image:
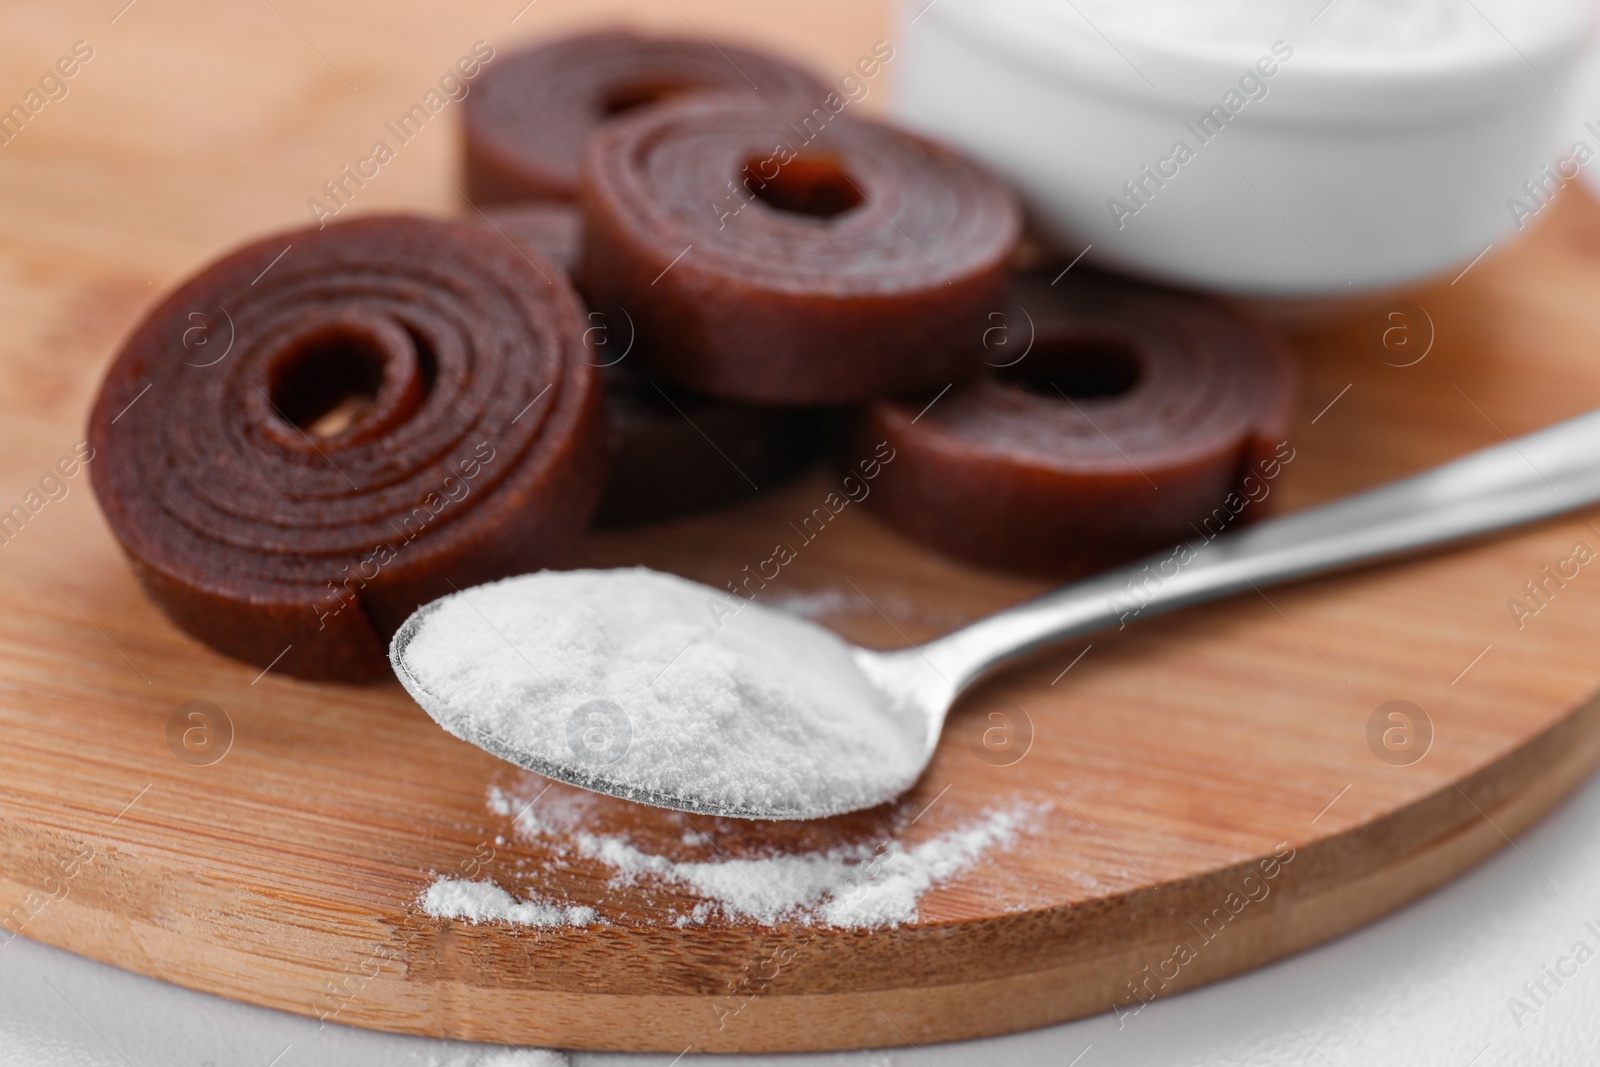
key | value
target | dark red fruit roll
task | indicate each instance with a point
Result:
(778, 253)
(528, 115)
(1117, 419)
(673, 452)
(554, 231)
(327, 428)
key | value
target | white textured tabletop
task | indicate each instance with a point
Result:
(1501, 968)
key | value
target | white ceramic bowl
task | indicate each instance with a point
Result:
(1339, 172)
(1585, 123)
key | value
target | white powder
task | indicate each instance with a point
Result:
(814, 605)
(647, 686)
(523, 821)
(837, 603)
(457, 898)
(1342, 28)
(853, 886)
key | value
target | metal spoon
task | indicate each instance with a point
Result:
(1534, 477)
(1531, 478)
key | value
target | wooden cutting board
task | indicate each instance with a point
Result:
(1164, 766)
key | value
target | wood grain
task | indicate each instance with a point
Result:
(1167, 762)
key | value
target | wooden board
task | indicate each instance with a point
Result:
(1169, 759)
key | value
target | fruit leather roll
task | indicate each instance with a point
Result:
(325, 429)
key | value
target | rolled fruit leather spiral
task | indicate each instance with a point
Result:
(528, 115)
(1117, 418)
(673, 452)
(772, 251)
(327, 428)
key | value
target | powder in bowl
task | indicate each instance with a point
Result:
(630, 682)
(1352, 31)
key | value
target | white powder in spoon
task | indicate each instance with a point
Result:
(645, 685)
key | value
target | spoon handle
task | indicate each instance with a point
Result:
(1530, 478)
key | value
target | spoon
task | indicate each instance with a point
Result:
(1533, 477)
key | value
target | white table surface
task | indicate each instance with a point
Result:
(1427, 987)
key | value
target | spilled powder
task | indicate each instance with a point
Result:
(857, 886)
(816, 604)
(825, 603)
(652, 687)
(458, 898)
